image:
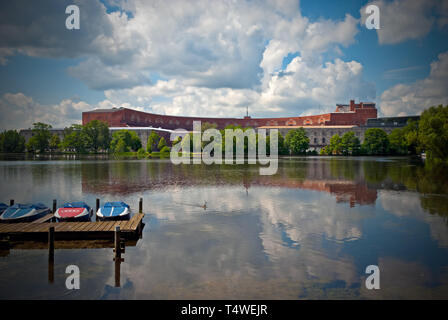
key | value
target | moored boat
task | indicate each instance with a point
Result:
(24, 212)
(73, 211)
(114, 211)
(3, 207)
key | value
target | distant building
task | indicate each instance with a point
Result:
(319, 128)
(352, 114)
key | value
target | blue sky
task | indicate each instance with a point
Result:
(210, 58)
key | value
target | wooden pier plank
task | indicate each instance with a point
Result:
(136, 221)
(44, 218)
(70, 230)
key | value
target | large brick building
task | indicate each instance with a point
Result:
(319, 128)
(345, 115)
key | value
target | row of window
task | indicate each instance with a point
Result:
(290, 122)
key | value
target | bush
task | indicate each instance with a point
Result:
(165, 149)
(141, 153)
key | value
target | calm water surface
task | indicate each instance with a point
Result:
(307, 232)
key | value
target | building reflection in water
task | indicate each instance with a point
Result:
(128, 177)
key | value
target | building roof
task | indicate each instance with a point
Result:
(104, 110)
(310, 127)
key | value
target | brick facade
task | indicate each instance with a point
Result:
(353, 114)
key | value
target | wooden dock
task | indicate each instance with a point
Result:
(38, 230)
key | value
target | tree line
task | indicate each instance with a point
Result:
(93, 137)
(429, 135)
(295, 141)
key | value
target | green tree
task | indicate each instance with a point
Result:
(282, 147)
(98, 133)
(297, 141)
(335, 146)
(410, 133)
(75, 139)
(325, 150)
(161, 144)
(40, 140)
(350, 144)
(130, 140)
(120, 146)
(165, 149)
(135, 143)
(55, 142)
(433, 132)
(397, 142)
(11, 141)
(153, 141)
(141, 153)
(375, 142)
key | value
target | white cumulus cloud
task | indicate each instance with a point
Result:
(411, 99)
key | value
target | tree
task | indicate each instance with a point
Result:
(375, 142)
(153, 141)
(98, 133)
(335, 146)
(125, 140)
(350, 144)
(161, 144)
(11, 141)
(141, 153)
(397, 142)
(282, 147)
(41, 137)
(433, 132)
(165, 149)
(135, 143)
(76, 139)
(297, 141)
(120, 146)
(54, 142)
(410, 133)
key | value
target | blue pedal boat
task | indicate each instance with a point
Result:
(114, 211)
(73, 211)
(24, 212)
(3, 207)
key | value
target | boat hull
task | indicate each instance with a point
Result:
(73, 214)
(119, 212)
(32, 215)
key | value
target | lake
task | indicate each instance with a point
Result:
(308, 232)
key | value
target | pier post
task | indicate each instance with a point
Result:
(54, 205)
(51, 243)
(51, 254)
(117, 272)
(117, 244)
(140, 229)
(140, 206)
(11, 202)
(97, 208)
